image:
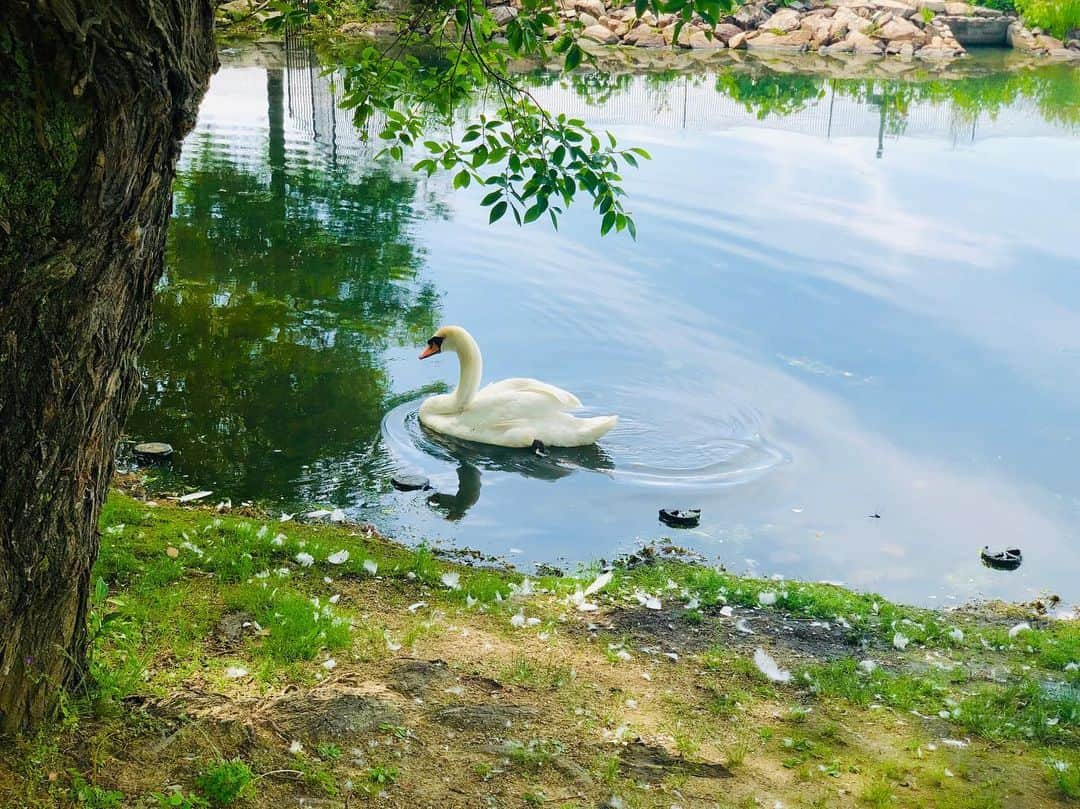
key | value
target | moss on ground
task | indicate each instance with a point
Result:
(239, 660)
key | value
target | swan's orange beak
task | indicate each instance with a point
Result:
(431, 350)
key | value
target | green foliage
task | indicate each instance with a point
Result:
(179, 800)
(926, 14)
(535, 754)
(1064, 774)
(91, 796)
(1059, 17)
(383, 774)
(1006, 6)
(535, 163)
(227, 782)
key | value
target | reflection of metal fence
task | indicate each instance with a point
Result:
(313, 100)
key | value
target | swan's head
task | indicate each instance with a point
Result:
(447, 338)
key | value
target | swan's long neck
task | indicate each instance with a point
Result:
(472, 366)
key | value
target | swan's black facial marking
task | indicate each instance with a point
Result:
(434, 346)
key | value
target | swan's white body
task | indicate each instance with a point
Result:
(510, 413)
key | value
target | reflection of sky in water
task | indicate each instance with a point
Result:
(903, 331)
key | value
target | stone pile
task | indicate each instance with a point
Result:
(926, 29)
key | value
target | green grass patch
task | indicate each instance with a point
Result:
(1059, 17)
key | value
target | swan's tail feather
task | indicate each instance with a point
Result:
(597, 427)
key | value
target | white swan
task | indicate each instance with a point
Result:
(510, 413)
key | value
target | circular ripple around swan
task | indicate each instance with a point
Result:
(639, 451)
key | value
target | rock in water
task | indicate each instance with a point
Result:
(677, 518)
(410, 483)
(152, 451)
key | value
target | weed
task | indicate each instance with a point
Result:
(736, 754)
(382, 774)
(535, 754)
(1064, 774)
(1056, 16)
(178, 800)
(227, 782)
(927, 15)
(534, 798)
(330, 752)
(92, 796)
(878, 794)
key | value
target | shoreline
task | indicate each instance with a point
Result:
(336, 665)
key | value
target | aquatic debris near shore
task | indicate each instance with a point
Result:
(410, 483)
(680, 518)
(769, 667)
(1008, 559)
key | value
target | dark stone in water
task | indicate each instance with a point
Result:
(676, 518)
(410, 483)
(152, 451)
(1009, 559)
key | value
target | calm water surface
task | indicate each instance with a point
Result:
(847, 298)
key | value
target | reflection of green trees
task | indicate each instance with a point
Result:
(286, 283)
(1053, 89)
(766, 93)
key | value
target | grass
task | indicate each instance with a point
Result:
(227, 782)
(1059, 17)
(168, 578)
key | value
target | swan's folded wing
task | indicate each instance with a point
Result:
(565, 399)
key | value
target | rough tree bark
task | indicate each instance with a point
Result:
(95, 96)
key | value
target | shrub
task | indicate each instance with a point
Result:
(1059, 17)
(227, 782)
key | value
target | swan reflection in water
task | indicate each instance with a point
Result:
(472, 458)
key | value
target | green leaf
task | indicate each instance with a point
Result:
(609, 220)
(640, 6)
(497, 212)
(573, 57)
(492, 197)
(461, 179)
(630, 226)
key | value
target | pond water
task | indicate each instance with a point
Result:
(847, 298)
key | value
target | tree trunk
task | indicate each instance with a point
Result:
(95, 96)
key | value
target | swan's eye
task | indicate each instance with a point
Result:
(435, 342)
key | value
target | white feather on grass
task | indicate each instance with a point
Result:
(452, 580)
(900, 641)
(339, 558)
(305, 559)
(742, 626)
(599, 583)
(767, 666)
(370, 566)
(1023, 626)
